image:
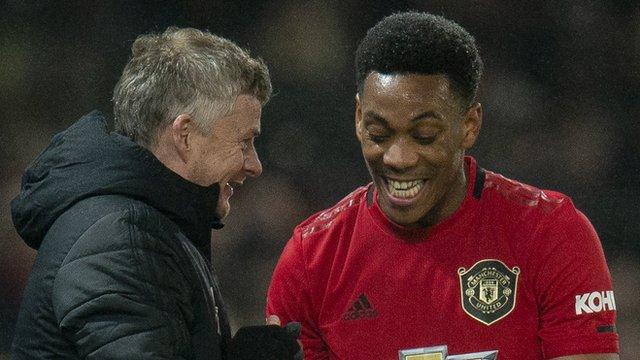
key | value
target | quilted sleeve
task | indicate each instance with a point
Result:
(121, 294)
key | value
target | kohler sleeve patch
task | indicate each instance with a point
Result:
(595, 302)
(488, 290)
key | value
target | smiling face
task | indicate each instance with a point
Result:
(227, 155)
(414, 133)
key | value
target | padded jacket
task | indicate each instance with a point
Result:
(121, 269)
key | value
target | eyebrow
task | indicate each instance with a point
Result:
(425, 115)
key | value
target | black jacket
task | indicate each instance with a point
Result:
(120, 271)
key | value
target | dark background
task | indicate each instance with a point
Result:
(560, 94)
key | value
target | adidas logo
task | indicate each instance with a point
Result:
(361, 308)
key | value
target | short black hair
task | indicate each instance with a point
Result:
(421, 43)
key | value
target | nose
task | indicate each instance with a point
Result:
(252, 165)
(400, 156)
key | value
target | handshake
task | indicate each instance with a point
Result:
(267, 342)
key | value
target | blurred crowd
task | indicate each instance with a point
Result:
(560, 93)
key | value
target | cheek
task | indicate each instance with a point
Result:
(217, 164)
(447, 168)
(233, 160)
(442, 153)
(372, 153)
(239, 160)
(436, 155)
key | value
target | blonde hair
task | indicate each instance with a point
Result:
(183, 70)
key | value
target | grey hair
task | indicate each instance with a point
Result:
(183, 71)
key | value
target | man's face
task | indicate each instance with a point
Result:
(227, 155)
(413, 132)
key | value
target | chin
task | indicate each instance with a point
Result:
(407, 218)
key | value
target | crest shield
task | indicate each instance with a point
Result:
(488, 290)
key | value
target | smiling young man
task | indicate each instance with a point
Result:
(438, 251)
(122, 221)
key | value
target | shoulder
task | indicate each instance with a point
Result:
(130, 239)
(547, 220)
(314, 245)
(333, 217)
(501, 191)
(111, 225)
(531, 215)
(322, 232)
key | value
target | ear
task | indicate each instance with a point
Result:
(358, 118)
(181, 129)
(471, 125)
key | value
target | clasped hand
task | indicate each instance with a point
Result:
(267, 342)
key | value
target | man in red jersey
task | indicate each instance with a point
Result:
(438, 251)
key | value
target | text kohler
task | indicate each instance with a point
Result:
(595, 302)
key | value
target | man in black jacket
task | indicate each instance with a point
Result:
(122, 221)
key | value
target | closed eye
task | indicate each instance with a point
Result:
(377, 138)
(425, 140)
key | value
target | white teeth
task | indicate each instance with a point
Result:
(404, 189)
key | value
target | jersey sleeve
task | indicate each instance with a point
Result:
(290, 299)
(573, 287)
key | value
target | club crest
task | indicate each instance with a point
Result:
(488, 290)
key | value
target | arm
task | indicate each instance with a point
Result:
(121, 295)
(573, 289)
(289, 297)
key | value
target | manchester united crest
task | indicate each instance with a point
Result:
(488, 290)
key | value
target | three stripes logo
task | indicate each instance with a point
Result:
(361, 308)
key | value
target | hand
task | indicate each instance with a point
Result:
(293, 328)
(266, 342)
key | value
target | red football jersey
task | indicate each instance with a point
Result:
(514, 269)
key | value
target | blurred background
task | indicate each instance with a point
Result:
(561, 96)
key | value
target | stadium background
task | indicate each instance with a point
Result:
(560, 94)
